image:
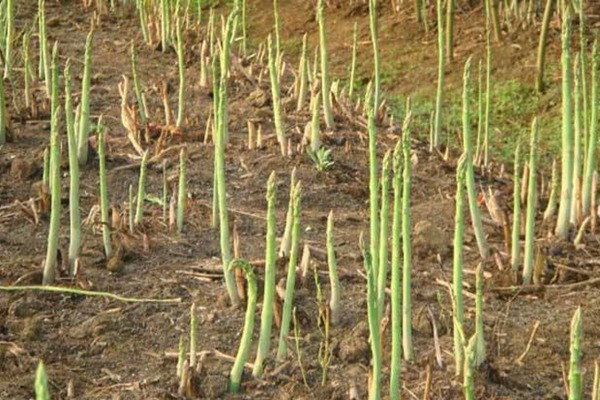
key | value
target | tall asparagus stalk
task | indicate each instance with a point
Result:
(457, 274)
(440, 86)
(45, 62)
(590, 162)
(9, 36)
(221, 194)
(181, 65)
(291, 273)
(54, 177)
(450, 29)
(74, 213)
(470, 173)
(529, 257)
(407, 344)
(106, 228)
(375, 339)
(577, 145)
(235, 377)
(374, 41)
(84, 122)
(373, 191)
(384, 230)
(325, 85)
(541, 55)
(396, 298)
(566, 190)
(266, 321)
(479, 335)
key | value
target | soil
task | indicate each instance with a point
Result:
(102, 348)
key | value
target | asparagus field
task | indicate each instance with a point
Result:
(324, 199)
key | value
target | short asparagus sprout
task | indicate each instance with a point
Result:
(291, 273)
(181, 358)
(141, 194)
(46, 168)
(552, 199)
(193, 335)
(529, 257)
(266, 321)
(235, 377)
(286, 240)
(334, 303)
(315, 129)
(106, 228)
(275, 92)
(303, 75)
(575, 370)
(182, 193)
(41, 383)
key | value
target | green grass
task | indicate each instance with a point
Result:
(515, 103)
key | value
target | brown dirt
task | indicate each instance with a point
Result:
(109, 349)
